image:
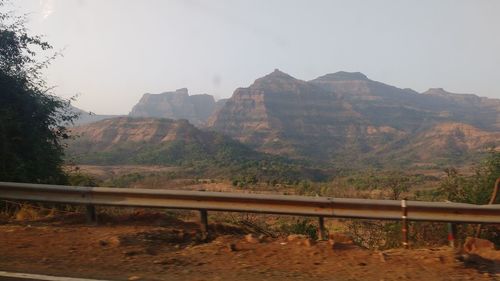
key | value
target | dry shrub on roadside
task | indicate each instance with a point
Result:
(377, 235)
(28, 212)
(269, 225)
(304, 226)
(381, 235)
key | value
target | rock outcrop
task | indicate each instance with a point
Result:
(177, 105)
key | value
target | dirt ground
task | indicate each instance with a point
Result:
(156, 247)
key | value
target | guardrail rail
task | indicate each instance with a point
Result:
(254, 203)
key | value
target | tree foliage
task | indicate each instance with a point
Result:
(32, 119)
(395, 182)
(476, 188)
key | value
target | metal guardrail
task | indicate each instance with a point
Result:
(254, 203)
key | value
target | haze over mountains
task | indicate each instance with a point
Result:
(339, 118)
(86, 117)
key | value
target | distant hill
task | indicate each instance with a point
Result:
(86, 117)
(177, 105)
(406, 109)
(445, 143)
(158, 141)
(348, 119)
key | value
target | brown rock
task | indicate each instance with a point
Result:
(340, 238)
(232, 247)
(262, 238)
(480, 249)
(475, 245)
(309, 242)
(250, 238)
(295, 237)
(130, 253)
(382, 257)
(332, 243)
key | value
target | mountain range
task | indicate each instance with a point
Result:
(347, 118)
(342, 118)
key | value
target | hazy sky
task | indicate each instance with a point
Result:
(114, 51)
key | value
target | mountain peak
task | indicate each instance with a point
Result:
(343, 75)
(436, 91)
(182, 91)
(278, 74)
(276, 79)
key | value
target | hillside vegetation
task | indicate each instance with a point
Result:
(167, 142)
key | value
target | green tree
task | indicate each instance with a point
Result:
(397, 183)
(32, 119)
(451, 185)
(475, 189)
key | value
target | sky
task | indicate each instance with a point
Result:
(114, 51)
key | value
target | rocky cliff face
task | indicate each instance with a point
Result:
(348, 116)
(176, 105)
(281, 114)
(106, 134)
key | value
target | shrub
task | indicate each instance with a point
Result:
(303, 226)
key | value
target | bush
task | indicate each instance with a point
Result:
(381, 235)
(303, 226)
(475, 189)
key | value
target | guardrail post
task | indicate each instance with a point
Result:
(204, 224)
(404, 221)
(90, 213)
(321, 228)
(452, 229)
(493, 198)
